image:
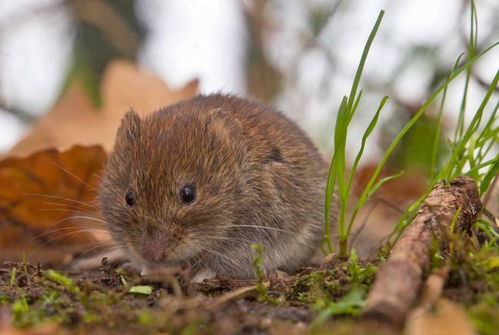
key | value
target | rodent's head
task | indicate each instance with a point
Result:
(172, 184)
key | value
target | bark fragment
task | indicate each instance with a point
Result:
(399, 279)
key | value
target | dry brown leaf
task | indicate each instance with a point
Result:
(434, 315)
(377, 219)
(46, 196)
(74, 120)
(44, 329)
(402, 190)
(445, 318)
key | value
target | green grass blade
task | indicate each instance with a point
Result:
(489, 175)
(373, 190)
(457, 162)
(337, 169)
(494, 139)
(489, 132)
(382, 181)
(471, 53)
(355, 105)
(476, 169)
(331, 181)
(366, 135)
(363, 197)
(360, 68)
(436, 139)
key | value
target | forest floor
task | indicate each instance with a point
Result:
(324, 299)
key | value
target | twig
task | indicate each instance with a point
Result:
(229, 296)
(399, 279)
(21, 115)
(491, 190)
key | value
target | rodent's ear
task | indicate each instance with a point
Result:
(130, 127)
(222, 123)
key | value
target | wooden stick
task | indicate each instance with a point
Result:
(399, 279)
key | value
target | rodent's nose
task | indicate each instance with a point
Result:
(153, 250)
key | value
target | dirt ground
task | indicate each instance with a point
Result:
(102, 301)
(323, 299)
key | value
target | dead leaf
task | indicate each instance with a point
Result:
(44, 329)
(434, 315)
(48, 196)
(445, 318)
(376, 220)
(399, 191)
(74, 120)
(432, 288)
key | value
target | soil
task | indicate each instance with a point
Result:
(318, 299)
(100, 301)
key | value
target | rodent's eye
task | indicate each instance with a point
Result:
(188, 194)
(130, 198)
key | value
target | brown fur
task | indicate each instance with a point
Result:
(258, 178)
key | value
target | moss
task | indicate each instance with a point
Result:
(4, 299)
(473, 280)
(146, 318)
(485, 315)
(319, 288)
(337, 288)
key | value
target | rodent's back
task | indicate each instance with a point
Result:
(272, 135)
(289, 177)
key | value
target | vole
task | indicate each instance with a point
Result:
(198, 182)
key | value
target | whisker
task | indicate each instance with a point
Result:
(57, 238)
(59, 198)
(196, 263)
(110, 247)
(224, 238)
(262, 227)
(97, 176)
(81, 230)
(76, 231)
(58, 204)
(77, 213)
(80, 217)
(73, 175)
(182, 259)
(66, 210)
(55, 230)
(217, 253)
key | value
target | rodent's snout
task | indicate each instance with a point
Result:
(153, 250)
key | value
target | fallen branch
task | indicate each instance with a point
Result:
(400, 278)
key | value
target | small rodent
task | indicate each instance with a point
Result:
(198, 182)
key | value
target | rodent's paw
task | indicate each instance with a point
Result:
(94, 262)
(151, 271)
